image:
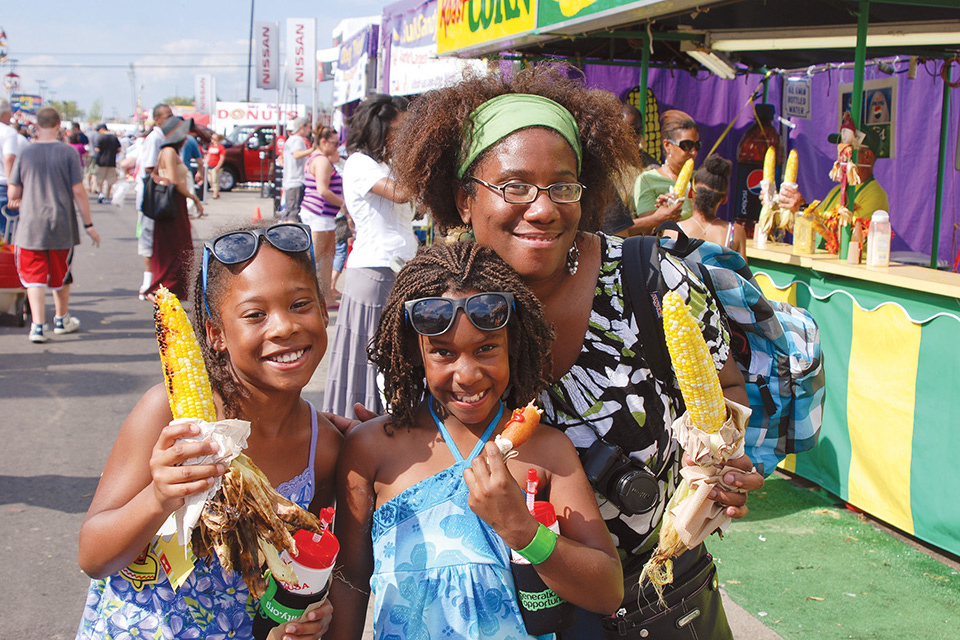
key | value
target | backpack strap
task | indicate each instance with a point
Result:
(643, 285)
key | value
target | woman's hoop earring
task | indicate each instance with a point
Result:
(573, 259)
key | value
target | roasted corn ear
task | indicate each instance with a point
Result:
(188, 385)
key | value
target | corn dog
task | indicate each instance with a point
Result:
(518, 429)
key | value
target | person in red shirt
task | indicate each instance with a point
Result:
(216, 155)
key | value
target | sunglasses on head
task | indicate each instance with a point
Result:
(686, 145)
(434, 316)
(235, 247)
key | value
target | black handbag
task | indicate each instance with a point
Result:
(159, 201)
(694, 609)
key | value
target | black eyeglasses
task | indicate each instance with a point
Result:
(523, 193)
(434, 316)
(686, 145)
(235, 247)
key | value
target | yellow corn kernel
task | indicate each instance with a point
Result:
(770, 164)
(683, 179)
(188, 386)
(793, 164)
(693, 365)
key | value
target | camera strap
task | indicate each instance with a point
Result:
(560, 402)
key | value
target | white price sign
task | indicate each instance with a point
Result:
(797, 98)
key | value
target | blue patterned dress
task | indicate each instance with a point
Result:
(440, 572)
(212, 604)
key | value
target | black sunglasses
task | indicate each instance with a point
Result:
(235, 247)
(434, 316)
(686, 145)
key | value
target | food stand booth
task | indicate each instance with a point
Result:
(889, 335)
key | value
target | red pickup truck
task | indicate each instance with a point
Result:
(243, 162)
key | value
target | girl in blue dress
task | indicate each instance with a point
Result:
(261, 324)
(428, 510)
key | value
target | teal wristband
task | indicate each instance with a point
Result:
(540, 547)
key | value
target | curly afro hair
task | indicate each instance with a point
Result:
(428, 146)
(458, 267)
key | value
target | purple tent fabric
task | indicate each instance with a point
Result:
(909, 178)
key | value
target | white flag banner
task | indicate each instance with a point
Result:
(204, 93)
(267, 43)
(301, 52)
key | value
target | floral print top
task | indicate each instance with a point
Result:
(612, 389)
(212, 603)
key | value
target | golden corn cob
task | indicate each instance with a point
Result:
(188, 386)
(770, 164)
(683, 179)
(693, 365)
(793, 163)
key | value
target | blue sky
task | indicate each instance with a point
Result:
(108, 35)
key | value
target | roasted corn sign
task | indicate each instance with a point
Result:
(465, 23)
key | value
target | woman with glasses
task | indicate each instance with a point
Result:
(681, 142)
(530, 164)
(384, 239)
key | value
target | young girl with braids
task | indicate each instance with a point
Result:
(710, 185)
(428, 510)
(261, 324)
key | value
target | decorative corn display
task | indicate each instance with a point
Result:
(793, 164)
(693, 365)
(188, 386)
(683, 179)
(770, 164)
(707, 411)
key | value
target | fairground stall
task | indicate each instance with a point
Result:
(889, 335)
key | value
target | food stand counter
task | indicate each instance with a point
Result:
(891, 351)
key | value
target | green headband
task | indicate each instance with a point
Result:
(498, 117)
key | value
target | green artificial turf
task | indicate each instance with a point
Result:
(807, 567)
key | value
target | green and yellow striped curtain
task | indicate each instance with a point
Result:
(891, 426)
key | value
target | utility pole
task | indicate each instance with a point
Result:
(250, 52)
(132, 74)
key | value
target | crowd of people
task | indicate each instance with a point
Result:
(523, 177)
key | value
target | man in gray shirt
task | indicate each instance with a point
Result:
(295, 153)
(47, 184)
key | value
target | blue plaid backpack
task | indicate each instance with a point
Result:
(776, 345)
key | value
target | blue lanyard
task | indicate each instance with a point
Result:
(449, 440)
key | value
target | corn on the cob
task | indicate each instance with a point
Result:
(770, 164)
(683, 179)
(693, 365)
(188, 386)
(793, 163)
(700, 386)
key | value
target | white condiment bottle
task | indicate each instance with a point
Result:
(878, 240)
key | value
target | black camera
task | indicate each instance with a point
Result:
(629, 485)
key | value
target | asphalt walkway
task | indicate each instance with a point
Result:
(799, 565)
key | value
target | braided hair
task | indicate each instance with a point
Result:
(711, 183)
(223, 378)
(458, 267)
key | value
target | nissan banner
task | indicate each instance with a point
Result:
(301, 52)
(267, 43)
(204, 93)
